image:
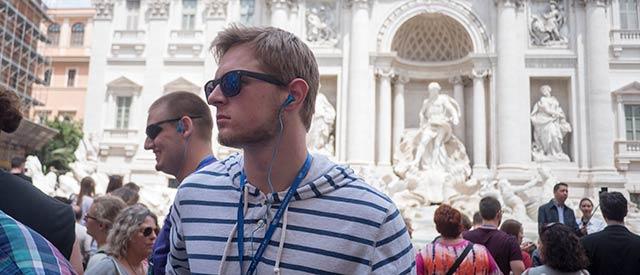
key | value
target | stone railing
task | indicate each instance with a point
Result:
(128, 36)
(626, 151)
(625, 37)
(188, 35)
(120, 134)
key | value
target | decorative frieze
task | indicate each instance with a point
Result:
(104, 9)
(158, 9)
(216, 9)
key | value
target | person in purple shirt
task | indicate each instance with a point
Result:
(503, 247)
(179, 128)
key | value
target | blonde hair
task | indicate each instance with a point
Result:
(107, 208)
(126, 224)
(280, 53)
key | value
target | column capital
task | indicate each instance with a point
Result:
(385, 72)
(511, 3)
(456, 80)
(282, 4)
(358, 4)
(104, 9)
(216, 9)
(480, 73)
(401, 79)
(597, 3)
(158, 9)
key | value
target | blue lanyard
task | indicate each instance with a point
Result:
(274, 222)
(206, 161)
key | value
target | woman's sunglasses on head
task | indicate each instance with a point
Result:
(231, 84)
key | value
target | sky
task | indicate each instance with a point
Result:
(57, 4)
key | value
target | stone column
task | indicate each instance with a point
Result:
(398, 109)
(458, 95)
(600, 112)
(95, 121)
(65, 34)
(383, 135)
(479, 121)
(360, 146)
(513, 134)
(279, 13)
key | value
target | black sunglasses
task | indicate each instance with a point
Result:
(153, 130)
(231, 85)
(148, 230)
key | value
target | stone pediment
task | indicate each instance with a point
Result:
(123, 86)
(181, 84)
(631, 88)
(123, 82)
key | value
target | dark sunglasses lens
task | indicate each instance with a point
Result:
(153, 131)
(147, 231)
(209, 87)
(230, 84)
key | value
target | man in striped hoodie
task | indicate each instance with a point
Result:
(275, 208)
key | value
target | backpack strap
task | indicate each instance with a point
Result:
(460, 258)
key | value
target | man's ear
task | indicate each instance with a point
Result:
(298, 89)
(187, 127)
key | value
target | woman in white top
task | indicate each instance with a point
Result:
(588, 223)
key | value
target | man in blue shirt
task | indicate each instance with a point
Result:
(178, 131)
(556, 210)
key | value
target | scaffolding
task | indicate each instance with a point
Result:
(20, 63)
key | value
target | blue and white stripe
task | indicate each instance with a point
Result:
(336, 224)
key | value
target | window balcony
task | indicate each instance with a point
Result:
(626, 152)
(119, 142)
(622, 40)
(185, 44)
(128, 43)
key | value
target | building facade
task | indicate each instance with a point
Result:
(376, 59)
(22, 65)
(63, 93)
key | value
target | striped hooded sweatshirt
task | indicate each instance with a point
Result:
(335, 224)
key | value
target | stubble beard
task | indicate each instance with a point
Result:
(263, 133)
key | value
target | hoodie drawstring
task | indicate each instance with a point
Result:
(233, 232)
(283, 235)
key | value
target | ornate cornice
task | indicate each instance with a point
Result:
(104, 9)
(216, 9)
(158, 9)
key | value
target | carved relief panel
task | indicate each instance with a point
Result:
(547, 23)
(322, 23)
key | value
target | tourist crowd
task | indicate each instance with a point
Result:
(274, 207)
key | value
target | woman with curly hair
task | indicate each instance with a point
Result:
(129, 243)
(439, 257)
(561, 252)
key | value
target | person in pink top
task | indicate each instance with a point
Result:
(451, 253)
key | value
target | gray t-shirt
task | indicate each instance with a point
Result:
(106, 266)
(545, 270)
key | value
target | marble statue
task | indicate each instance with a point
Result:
(432, 160)
(549, 128)
(545, 27)
(321, 137)
(513, 201)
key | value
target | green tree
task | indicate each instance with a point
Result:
(58, 153)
